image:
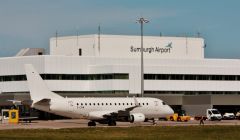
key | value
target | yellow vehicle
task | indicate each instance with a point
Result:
(13, 116)
(180, 116)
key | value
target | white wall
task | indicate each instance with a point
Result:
(70, 45)
(98, 65)
(120, 46)
(191, 85)
(15, 65)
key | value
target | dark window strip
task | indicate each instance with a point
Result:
(93, 92)
(84, 76)
(13, 78)
(68, 77)
(190, 92)
(191, 77)
(124, 76)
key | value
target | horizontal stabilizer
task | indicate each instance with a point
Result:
(43, 102)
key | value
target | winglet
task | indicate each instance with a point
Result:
(136, 102)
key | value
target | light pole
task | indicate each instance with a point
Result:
(142, 21)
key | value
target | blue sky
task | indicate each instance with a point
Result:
(30, 23)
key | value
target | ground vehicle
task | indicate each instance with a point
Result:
(228, 116)
(179, 116)
(213, 114)
(238, 115)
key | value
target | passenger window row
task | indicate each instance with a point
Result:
(102, 104)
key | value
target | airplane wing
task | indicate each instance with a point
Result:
(121, 113)
(113, 113)
(98, 115)
(136, 105)
(126, 111)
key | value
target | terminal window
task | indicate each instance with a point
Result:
(80, 52)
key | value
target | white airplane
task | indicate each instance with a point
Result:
(105, 110)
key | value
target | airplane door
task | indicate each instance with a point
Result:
(70, 106)
(156, 103)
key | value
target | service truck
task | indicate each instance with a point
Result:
(214, 114)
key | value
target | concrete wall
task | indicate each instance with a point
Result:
(121, 46)
(131, 66)
(225, 99)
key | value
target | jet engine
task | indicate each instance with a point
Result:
(137, 117)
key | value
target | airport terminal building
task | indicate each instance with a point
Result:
(175, 71)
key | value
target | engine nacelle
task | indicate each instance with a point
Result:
(137, 117)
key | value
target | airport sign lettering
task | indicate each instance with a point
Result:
(152, 49)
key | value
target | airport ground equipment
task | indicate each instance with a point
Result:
(179, 116)
(228, 116)
(13, 116)
(238, 115)
(4, 115)
(213, 114)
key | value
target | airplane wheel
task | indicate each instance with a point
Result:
(154, 122)
(179, 119)
(91, 123)
(112, 123)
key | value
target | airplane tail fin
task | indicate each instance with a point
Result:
(37, 87)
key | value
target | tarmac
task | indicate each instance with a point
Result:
(81, 123)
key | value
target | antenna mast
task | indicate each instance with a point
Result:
(99, 32)
(141, 21)
(77, 36)
(186, 44)
(56, 38)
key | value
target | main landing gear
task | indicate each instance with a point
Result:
(112, 123)
(154, 122)
(92, 123)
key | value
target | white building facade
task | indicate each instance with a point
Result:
(175, 70)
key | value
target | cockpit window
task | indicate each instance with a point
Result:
(163, 103)
(215, 112)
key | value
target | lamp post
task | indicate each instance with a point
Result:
(142, 21)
